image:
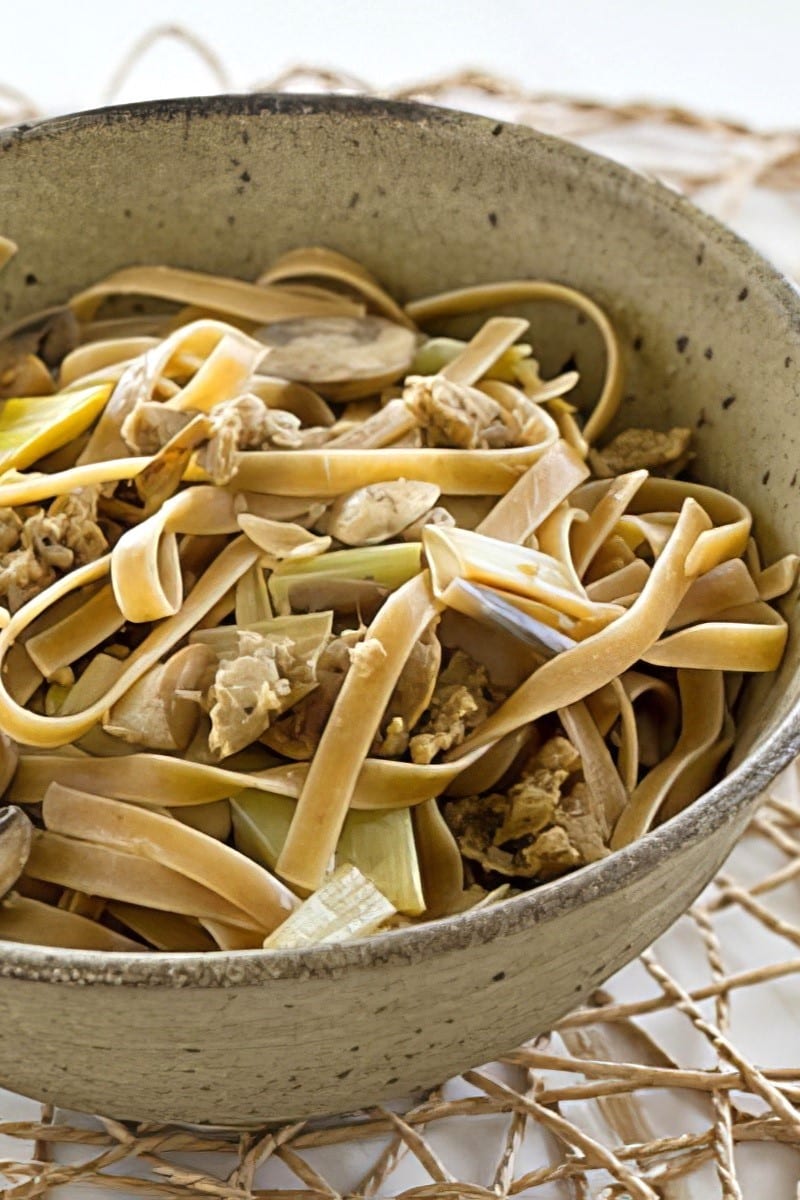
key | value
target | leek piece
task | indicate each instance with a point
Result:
(380, 844)
(261, 822)
(304, 629)
(348, 905)
(212, 819)
(33, 426)
(102, 673)
(389, 565)
(252, 598)
(437, 352)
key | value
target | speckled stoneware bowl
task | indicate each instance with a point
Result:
(427, 199)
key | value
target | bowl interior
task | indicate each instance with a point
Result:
(430, 200)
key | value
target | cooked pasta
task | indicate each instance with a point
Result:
(315, 624)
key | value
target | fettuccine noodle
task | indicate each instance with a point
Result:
(314, 622)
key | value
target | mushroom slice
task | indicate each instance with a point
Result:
(16, 834)
(380, 511)
(344, 357)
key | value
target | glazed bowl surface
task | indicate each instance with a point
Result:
(428, 200)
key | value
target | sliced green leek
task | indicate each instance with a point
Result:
(437, 352)
(380, 844)
(390, 566)
(306, 630)
(33, 426)
(348, 905)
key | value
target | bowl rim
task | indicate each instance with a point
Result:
(725, 803)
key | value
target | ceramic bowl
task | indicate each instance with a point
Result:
(428, 199)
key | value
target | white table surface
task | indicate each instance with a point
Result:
(722, 56)
(729, 57)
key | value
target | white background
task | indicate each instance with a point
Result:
(726, 57)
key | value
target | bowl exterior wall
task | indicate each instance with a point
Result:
(285, 1049)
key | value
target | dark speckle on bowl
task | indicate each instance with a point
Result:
(682, 342)
(743, 294)
(728, 401)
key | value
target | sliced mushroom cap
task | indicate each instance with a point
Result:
(344, 357)
(373, 514)
(16, 835)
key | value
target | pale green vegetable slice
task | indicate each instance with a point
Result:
(304, 629)
(212, 819)
(389, 565)
(33, 426)
(252, 598)
(437, 352)
(348, 905)
(261, 822)
(494, 338)
(380, 844)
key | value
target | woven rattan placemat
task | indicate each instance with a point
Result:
(682, 1079)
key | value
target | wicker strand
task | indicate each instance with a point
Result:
(720, 1099)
